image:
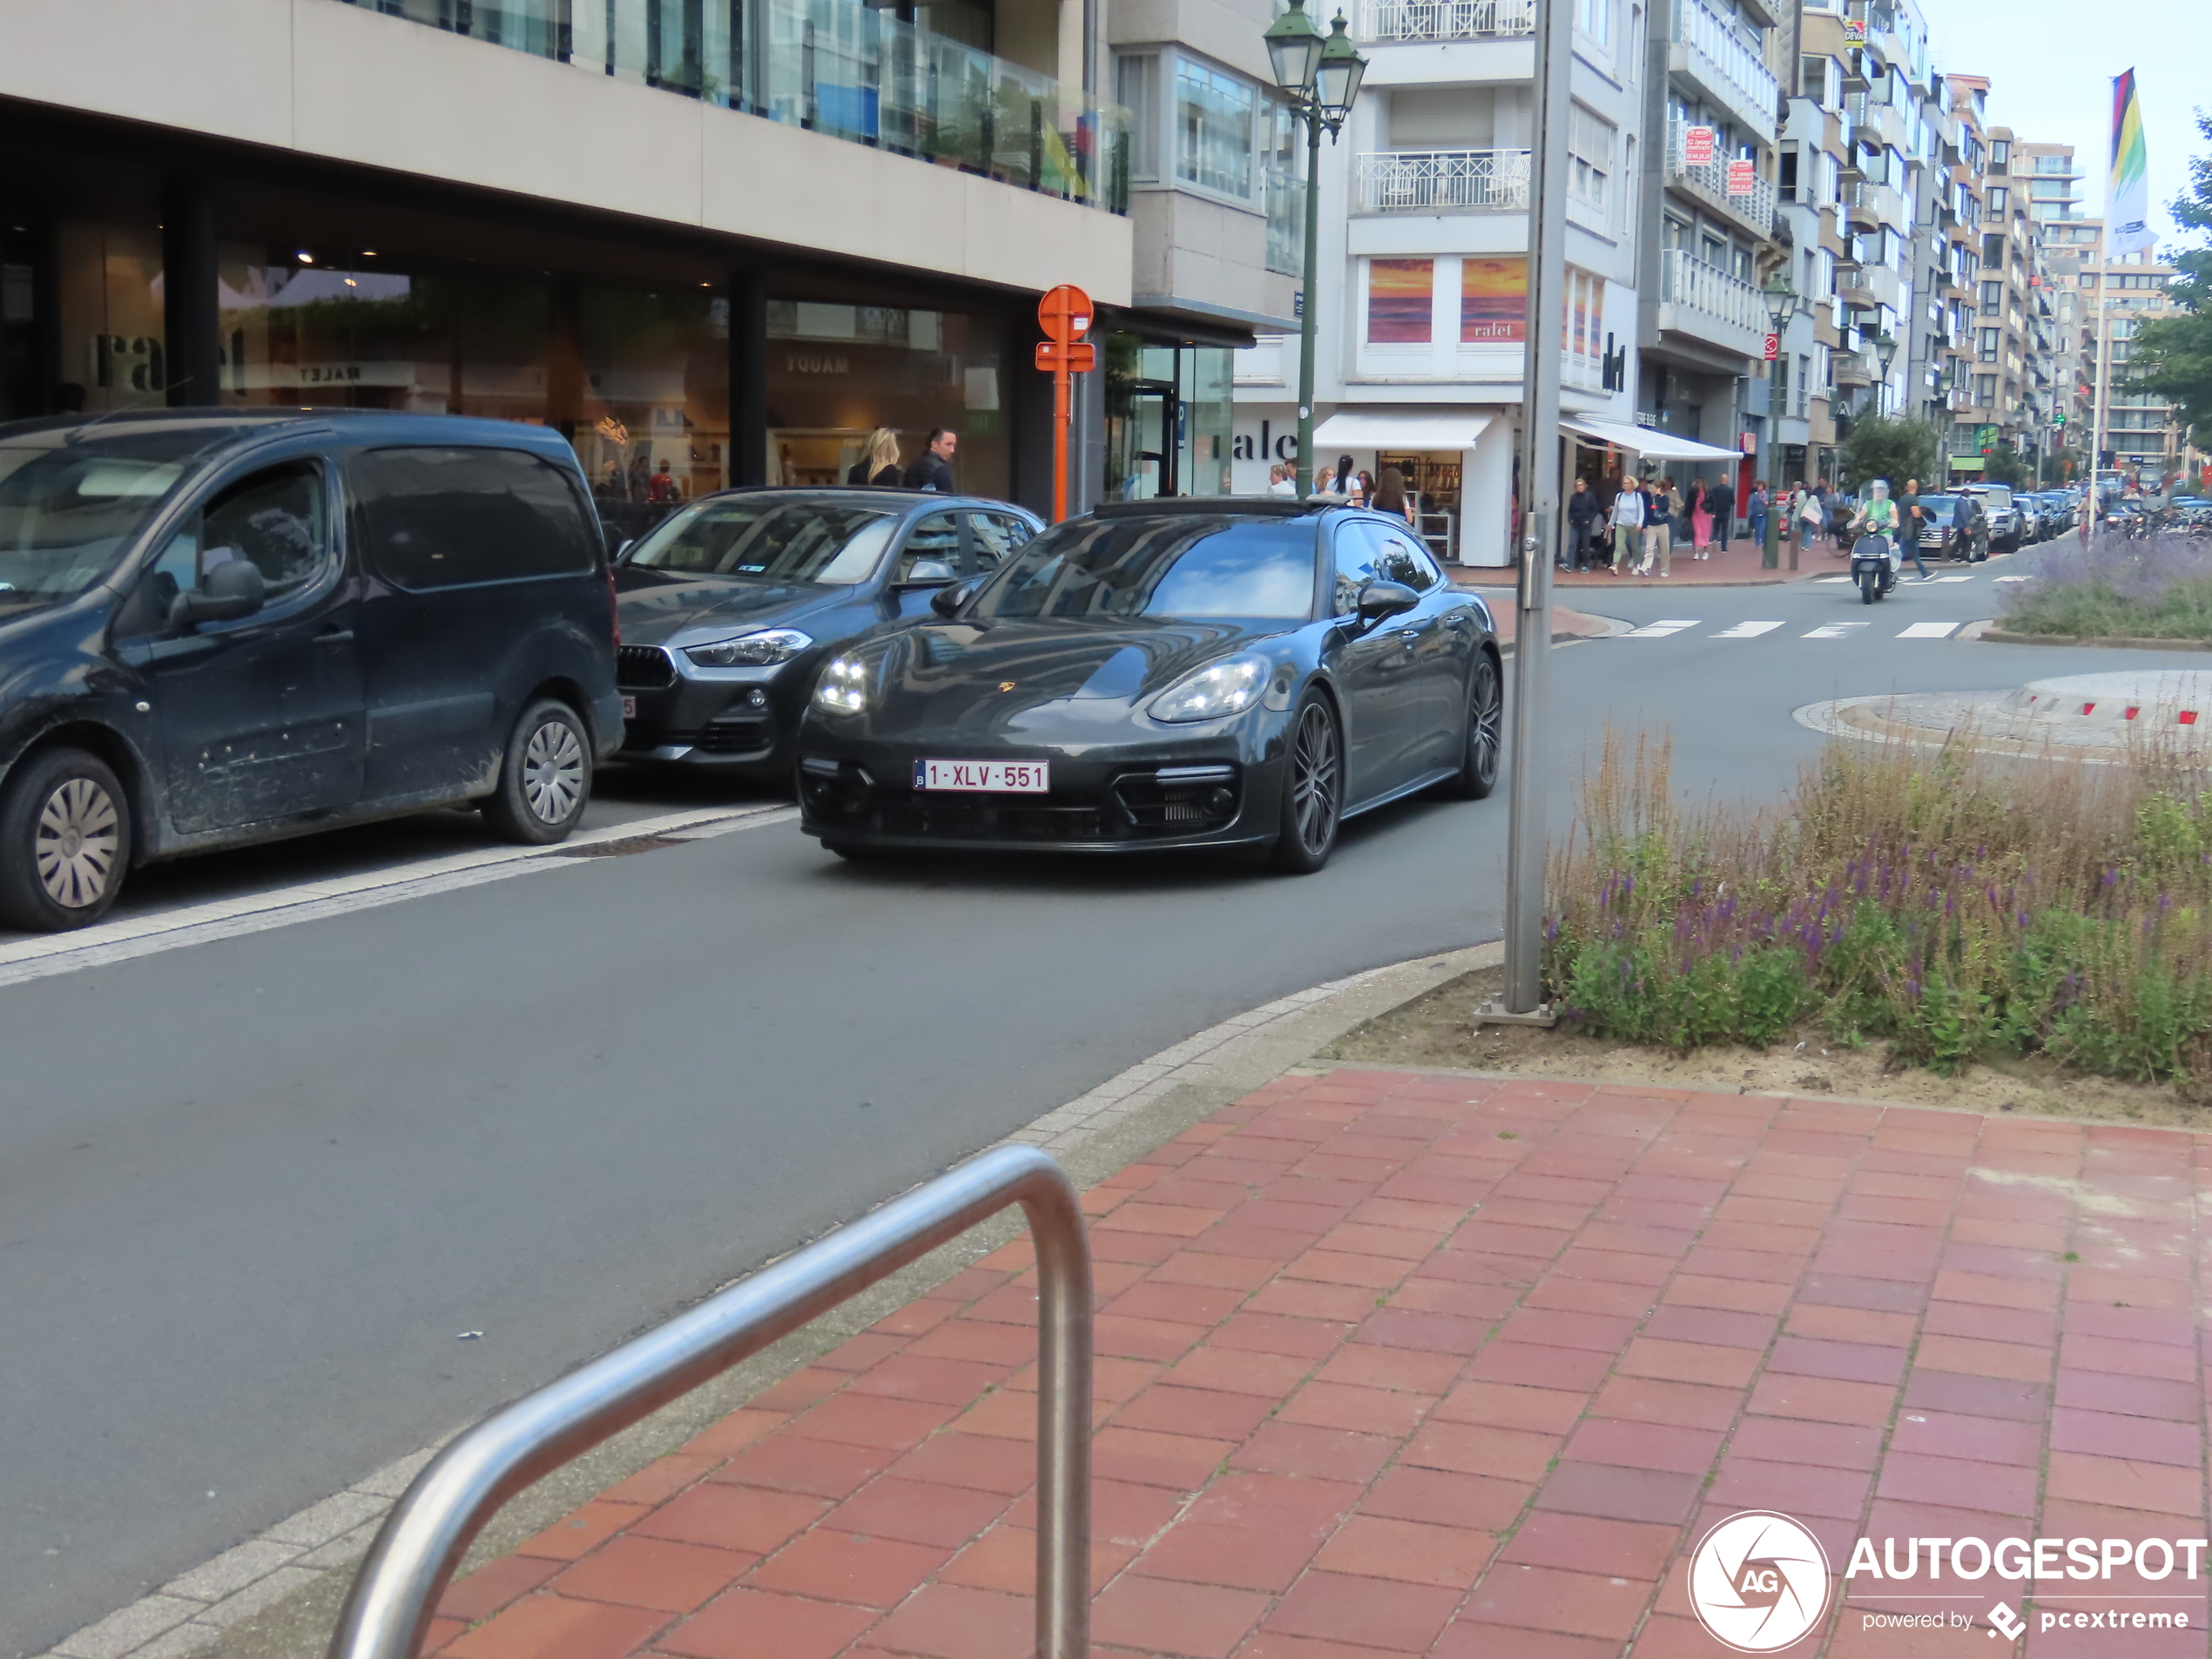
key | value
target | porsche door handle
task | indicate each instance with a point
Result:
(335, 636)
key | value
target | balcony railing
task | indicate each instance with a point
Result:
(836, 66)
(1686, 280)
(1710, 180)
(1851, 368)
(1726, 64)
(1389, 20)
(1444, 181)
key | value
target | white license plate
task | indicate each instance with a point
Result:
(629, 708)
(985, 777)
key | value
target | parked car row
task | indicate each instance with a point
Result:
(218, 628)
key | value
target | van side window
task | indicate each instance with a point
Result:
(277, 519)
(445, 517)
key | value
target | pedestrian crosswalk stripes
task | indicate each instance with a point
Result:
(1753, 630)
(1931, 579)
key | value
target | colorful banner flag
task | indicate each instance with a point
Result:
(2127, 192)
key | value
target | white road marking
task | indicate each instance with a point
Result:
(1832, 578)
(2013, 578)
(1659, 630)
(1837, 630)
(1747, 631)
(1928, 630)
(1968, 578)
(43, 956)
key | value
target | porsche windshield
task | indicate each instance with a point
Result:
(67, 510)
(1169, 566)
(775, 539)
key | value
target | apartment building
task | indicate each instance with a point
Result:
(1422, 289)
(713, 242)
(2068, 240)
(1708, 228)
(2133, 431)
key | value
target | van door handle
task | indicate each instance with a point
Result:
(335, 636)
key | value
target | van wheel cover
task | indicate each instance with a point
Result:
(78, 837)
(553, 773)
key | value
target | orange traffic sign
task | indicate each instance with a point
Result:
(1065, 314)
(1077, 358)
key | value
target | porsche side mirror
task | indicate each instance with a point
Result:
(947, 601)
(1379, 601)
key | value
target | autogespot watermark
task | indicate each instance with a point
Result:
(1760, 1581)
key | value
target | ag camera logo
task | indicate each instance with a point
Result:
(1759, 1581)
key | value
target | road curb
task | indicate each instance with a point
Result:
(2001, 637)
(276, 1596)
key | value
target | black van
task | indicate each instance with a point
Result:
(227, 626)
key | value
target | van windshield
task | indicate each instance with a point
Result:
(66, 511)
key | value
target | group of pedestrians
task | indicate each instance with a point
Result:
(1385, 495)
(933, 467)
(1641, 520)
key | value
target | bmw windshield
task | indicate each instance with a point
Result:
(1172, 566)
(67, 510)
(772, 538)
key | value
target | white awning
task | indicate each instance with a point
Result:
(1401, 429)
(1653, 445)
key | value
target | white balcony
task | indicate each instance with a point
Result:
(1443, 181)
(1386, 21)
(1708, 181)
(1710, 304)
(1706, 49)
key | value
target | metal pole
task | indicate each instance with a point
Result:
(2104, 371)
(1307, 465)
(390, 1605)
(1539, 498)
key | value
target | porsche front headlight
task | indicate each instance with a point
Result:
(843, 688)
(1213, 692)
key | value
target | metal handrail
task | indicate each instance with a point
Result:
(392, 1600)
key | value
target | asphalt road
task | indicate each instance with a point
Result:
(251, 1190)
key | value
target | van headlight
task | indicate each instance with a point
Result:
(759, 650)
(1213, 692)
(843, 688)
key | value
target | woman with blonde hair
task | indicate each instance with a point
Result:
(879, 463)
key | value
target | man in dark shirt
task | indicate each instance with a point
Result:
(933, 468)
(1582, 521)
(1720, 502)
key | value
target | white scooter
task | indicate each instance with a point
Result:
(1874, 565)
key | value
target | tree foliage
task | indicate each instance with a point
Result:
(2172, 356)
(2005, 465)
(1886, 446)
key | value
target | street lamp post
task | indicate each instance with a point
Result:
(1886, 355)
(1781, 306)
(1318, 78)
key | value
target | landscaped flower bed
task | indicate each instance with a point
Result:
(1958, 906)
(2160, 588)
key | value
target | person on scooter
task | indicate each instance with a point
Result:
(1877, 516)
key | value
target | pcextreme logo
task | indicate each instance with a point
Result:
(1759, 1581)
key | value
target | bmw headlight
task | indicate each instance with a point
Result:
(843, 688)
(751, 651)
(1213, 692)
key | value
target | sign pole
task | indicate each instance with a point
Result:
(1065, 315)
(1522, 1002)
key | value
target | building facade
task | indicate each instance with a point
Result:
(711, 243)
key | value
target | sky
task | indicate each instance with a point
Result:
(2050, 65)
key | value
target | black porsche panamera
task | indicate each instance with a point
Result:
(1161, 675)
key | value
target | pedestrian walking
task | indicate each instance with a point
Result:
(1626, 521)
(933, 469)
(1661, 512)
(1582, 524)
(879, 463)
(1812, 516)
(1720, 502)
(1390, 495)
(1700, 520)
(1910, 523)
(1755, 510)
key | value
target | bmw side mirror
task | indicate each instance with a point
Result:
(947, 601)
(924, 573)
(232, 589)
(1379, 601)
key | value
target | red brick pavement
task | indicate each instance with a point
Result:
(1394, 1365)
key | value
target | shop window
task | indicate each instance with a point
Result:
(1493, 301)
(446, 518)
(109, 317)
(1399, 302)
(1214, 112)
